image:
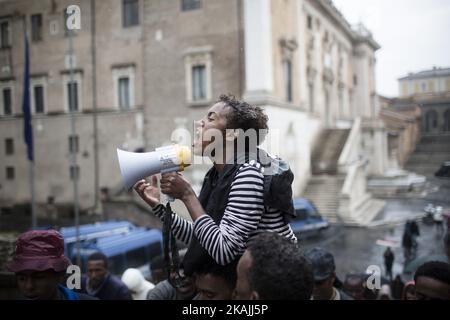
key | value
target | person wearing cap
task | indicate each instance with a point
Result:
(136, 283)
(324, 271)
(40, 266)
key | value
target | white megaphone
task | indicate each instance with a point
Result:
(137, 166)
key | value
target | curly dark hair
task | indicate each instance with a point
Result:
(227, 272)
(437, 270)
(245, 116)
(279, 271)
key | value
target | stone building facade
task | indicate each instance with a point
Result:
(106, 55)
(431, 90)
(148, 67)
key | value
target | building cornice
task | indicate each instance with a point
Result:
(361, 35)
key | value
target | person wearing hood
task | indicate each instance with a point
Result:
(136, 283)
(246, 192)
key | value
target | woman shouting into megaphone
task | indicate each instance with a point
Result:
(245, 192)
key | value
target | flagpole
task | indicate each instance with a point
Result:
(33, 196)
(73, 154)
(28, 126)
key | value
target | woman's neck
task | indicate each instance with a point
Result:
(226, 158)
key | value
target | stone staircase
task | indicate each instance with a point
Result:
(325, 156)
(325, 185)
(324, 191)
(430, 153)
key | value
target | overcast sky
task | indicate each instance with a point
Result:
(414, 35)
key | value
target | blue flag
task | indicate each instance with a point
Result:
(27, 127)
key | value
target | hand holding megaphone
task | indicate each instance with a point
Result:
(175, 186)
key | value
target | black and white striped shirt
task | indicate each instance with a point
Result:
(244, 217)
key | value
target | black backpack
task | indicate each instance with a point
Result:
(278, 178)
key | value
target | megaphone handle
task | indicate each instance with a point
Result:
(169, 198)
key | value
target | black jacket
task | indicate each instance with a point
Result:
(216, 188)
(112, 289)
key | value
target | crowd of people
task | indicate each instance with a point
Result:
(239, 241)
(271, 268)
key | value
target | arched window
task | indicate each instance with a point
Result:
(430, 120)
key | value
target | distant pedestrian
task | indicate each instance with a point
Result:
(407, 243)
(414, 227)
(413, 231)
(438, 219)
(389, 258)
